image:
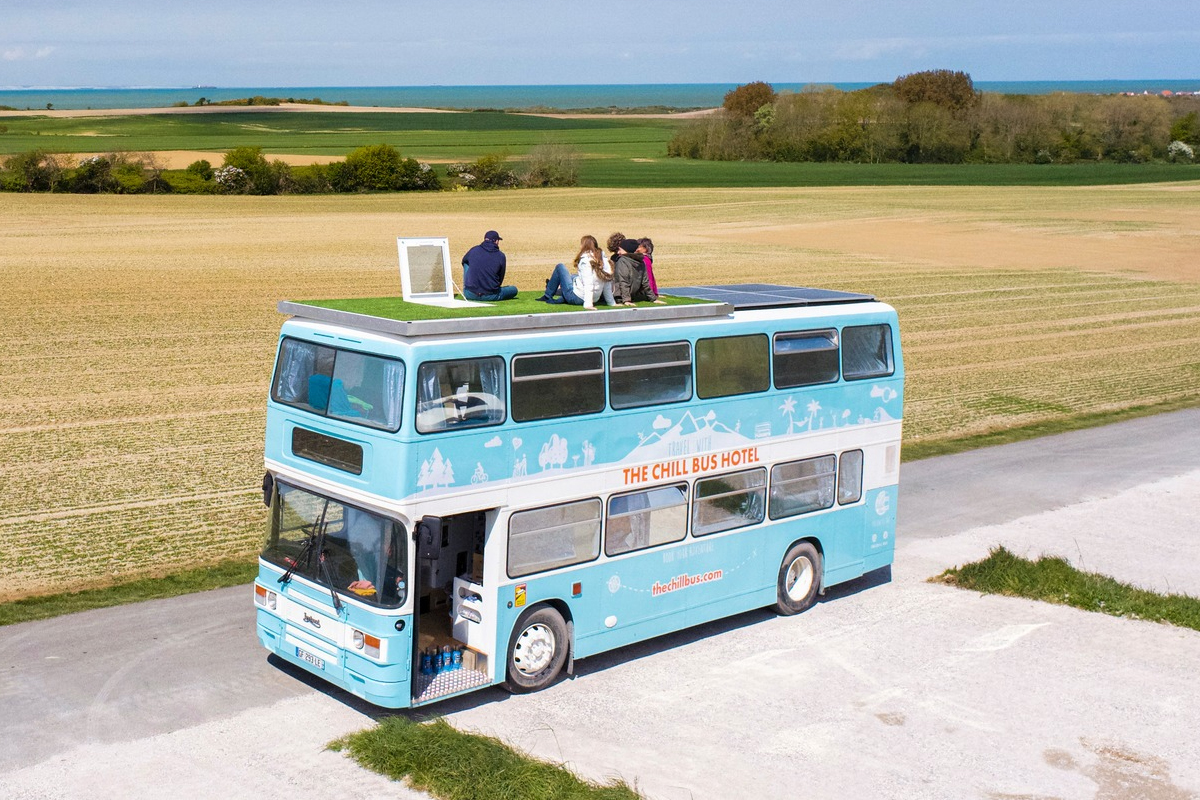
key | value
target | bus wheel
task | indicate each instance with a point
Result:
(799, 579)
(537, 651)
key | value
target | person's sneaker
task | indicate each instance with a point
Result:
(542, 299)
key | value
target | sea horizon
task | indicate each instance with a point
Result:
(562, 96)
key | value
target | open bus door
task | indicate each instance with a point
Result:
(453, 641)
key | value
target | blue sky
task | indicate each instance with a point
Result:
(469, 42)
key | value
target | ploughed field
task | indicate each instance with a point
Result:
(142, 329)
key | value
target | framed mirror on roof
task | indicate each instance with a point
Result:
(425, 273)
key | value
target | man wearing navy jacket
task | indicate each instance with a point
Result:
(483, 271)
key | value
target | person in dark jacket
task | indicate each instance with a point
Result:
(483, 271)
(630, 282)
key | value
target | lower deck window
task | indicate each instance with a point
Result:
(553, 537)
(644, 519)
(850, 475)
(799, 487)
(729, 501)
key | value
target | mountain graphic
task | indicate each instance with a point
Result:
(691, 434)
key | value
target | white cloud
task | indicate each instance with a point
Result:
(661, 423)
(493, 442)
(21, 54)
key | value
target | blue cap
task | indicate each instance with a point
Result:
(492, 235)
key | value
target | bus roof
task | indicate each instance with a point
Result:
(394, 316)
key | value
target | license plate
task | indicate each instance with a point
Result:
(304, 655)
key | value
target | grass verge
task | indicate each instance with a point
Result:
(217, 576)
(915, 451)
(1053, 580)
(438, 758)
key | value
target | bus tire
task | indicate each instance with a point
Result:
(536, 651)
(799, 579)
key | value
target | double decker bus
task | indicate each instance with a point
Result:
(463, 501)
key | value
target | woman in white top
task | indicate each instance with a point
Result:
(591, 281)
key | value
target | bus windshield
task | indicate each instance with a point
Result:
(355, 552)
(342, 384)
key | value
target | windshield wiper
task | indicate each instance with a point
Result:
(304, 557)
(316, 543)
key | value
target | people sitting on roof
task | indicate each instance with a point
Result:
(630, 283)
(483, 271)
(592, 279)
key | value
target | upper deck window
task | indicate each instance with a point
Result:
(467, 393)
(805, 358)
(867, 352)
(562, 384)
(649, 374)
(732, 365)
(342, 384)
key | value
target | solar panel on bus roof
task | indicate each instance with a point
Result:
(766, 295)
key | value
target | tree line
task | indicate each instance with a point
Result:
(939, 117)
(246, 170)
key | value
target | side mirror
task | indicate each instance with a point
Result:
(429, 538)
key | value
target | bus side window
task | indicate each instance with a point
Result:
(644, 519)
(556, 536)
(850, 475)
(867, 352)
(799, 487)
(729, 501)
(563, 384)
(805, 358)
(468, 393)
(644, 375)
(731, 365)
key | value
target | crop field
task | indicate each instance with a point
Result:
(141, 328)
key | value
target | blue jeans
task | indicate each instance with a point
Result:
(562, 283)
(505, 293)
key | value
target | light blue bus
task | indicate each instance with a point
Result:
(462, 502)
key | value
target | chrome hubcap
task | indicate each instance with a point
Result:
(799, 579)
(534, 650)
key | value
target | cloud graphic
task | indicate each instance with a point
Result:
(662, 423)
(493, 442)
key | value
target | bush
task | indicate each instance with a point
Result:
(33, 171)
(380, 167)
(488, 172)
(950, 90)
(245, 171)
(551, 165)
(93, 176)
(747, 99)
(201, 169)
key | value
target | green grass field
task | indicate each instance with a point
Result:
(618, 152)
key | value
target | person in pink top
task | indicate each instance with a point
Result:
(646, 250)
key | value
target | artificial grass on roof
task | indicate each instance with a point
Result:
(521, 305)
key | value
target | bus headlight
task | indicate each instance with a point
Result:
(264, 597)
(367, 643)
